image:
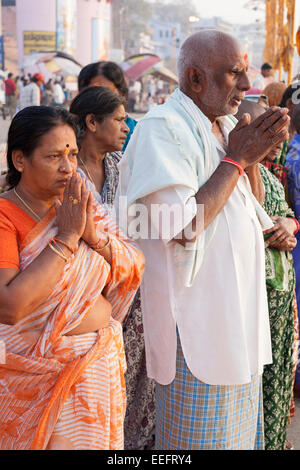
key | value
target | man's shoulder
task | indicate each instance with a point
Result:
(170, 115)
(169, 109)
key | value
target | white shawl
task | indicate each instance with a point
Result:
(188, 170)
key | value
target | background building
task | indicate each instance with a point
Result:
(252, 36)
(9, 28)
(166, 38)
(81, 28)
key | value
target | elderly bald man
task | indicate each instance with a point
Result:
(204, 300)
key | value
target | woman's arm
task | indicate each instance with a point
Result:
(22, 291)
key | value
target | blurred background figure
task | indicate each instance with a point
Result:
(134, 95)
(264, 78)
(47, 93)
(31, 94)
(58, 93)
(10, 94)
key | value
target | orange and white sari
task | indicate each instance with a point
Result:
(68, 392)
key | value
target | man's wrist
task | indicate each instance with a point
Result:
(234, 163)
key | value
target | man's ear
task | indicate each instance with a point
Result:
(194, 79)
(18, 160)
(90, 122)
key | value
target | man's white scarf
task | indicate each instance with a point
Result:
(188, 260)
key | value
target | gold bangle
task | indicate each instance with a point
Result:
(95, 247)
(58, 253)
(57, 240)
(60, 249)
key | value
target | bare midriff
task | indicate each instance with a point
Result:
(97, 318)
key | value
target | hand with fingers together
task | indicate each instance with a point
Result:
(282, 237)
(250, 142)
(90, 234)
(71, 212)
(75, 217)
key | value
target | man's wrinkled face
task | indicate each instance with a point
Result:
(226, 81)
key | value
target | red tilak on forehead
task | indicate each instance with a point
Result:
(246, 59)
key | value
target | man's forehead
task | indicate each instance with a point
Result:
(231, 57)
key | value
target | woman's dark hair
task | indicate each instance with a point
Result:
(96, 100)
(109, 70)
(296, 118)
(289, 92)
(26, 130)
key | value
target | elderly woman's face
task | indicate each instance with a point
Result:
(274, 152)
(226, 82)
(112, 132)
(52, 163)
(100, 80)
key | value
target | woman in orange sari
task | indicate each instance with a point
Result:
(67, 278)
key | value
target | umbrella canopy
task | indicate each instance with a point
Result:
(139, 65)
(136, 66)
(51, 63)
(165, 74)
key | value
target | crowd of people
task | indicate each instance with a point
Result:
(32, 90)
(150, 272)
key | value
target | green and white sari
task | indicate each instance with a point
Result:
(280, 278)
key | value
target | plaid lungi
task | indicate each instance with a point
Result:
(193, 415)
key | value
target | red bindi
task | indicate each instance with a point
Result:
(67, 146)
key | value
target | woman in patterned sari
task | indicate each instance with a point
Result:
(107, 107)
(67, 278)
(278, 377)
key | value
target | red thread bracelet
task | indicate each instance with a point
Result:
(228, 160)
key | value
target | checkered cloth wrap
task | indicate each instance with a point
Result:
(193, 415)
